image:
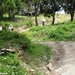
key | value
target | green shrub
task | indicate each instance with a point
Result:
(13, 39)
(11, 65)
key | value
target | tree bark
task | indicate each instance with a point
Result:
(72, 15)
(11, 15)
(53, 16)
(36, 15)
(1, 14)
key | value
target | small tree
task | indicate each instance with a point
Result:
(50, 7)
(69, 6)
(11, 6)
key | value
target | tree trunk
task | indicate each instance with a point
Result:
(53, 16)
(36, 15)
(1, 14)
(72, 14)
(11, 15)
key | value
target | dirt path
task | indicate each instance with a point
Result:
(65, 59)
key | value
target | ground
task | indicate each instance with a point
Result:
(64, 63)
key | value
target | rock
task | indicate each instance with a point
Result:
(5, 50)
(31, 71)
(49, 66)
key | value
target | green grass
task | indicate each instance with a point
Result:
(10, 64)
(13, 39)
(60, 32)
(19, 21)
(39, 53)
(36, 53)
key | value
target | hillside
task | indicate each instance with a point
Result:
(18, 55)
(63, 36)
(57, 32)
(31, 56)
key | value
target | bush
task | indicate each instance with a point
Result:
(11, 65)
(13, 39)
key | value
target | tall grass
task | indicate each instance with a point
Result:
(61, 32)
(35, 53)
(10, 64)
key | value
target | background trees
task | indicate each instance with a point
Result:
(46, 7)
(69, 6)
(50, 7)
(11, 7)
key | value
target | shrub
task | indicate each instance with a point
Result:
(13, 39)
(11, 65)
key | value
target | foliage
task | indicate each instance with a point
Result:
(39, 53)
(49, 8)
(69, 6)
(61, 32)
(11, 7)
(13, 39)
(10, 64)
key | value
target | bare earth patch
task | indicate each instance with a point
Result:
(64, 63)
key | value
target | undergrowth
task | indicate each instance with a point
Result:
(61, 32)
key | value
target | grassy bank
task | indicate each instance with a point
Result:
(59, 32)
(34, 53)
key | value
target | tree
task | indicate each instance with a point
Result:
(1, 2)
(35, 5)
(50, 7)
(69, 6)
(11, 6)
(1, 11)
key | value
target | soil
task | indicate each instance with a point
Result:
(64, 63)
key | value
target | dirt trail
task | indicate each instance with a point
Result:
(65, 59)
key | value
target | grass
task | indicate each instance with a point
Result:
(60, 32)
(10, 64)
(19, 21)
(39, 53)
(14, 39)
(36, 53)
(30, 20)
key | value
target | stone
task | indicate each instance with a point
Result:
(49, 66)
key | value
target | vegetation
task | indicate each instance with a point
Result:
(13, 39)
(69, 7)
(61, 32)
(47, 7)
(10, 63)
(35, 53)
